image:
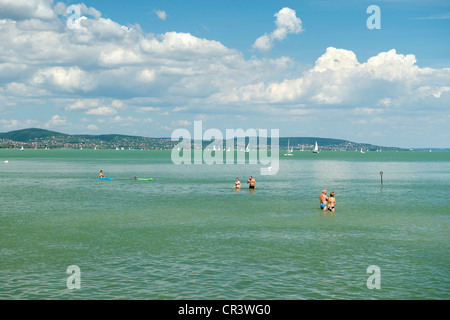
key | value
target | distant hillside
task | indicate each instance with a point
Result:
(312, 140)
(306, 143)
(40, 138)
(32, 134)
(26, 135)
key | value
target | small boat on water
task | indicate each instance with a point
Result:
(289, 150)
(316, 148)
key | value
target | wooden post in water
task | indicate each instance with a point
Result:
(381, 175)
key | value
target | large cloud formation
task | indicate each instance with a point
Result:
(103, 58)
(102, 68)
(338, 78)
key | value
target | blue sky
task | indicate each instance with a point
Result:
(308, 68)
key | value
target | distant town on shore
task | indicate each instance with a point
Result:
(35, 138)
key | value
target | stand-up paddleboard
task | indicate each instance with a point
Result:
(105, 178)
(141, 179)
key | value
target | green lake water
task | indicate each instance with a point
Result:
(188, 235)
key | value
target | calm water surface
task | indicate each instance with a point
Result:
(189, 235)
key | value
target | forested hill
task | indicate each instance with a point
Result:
(41, 138)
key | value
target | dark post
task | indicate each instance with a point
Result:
(381, 175)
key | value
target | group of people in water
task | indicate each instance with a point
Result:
(251, 183)
(327, 202)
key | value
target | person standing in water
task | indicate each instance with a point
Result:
(252, 183)
(237, 184)
(323, 199)
(331, 202)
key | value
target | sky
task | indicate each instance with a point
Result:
(312, 68)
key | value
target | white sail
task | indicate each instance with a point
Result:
(316, 148)
(289, 149)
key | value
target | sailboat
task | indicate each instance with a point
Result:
(22, 149)
(316, 148)
(362, 151)
(289, 150)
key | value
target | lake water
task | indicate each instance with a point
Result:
(188, 235)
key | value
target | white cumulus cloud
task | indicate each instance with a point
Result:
(56, 121)
(286, 23)
(181, 123)
(26, 9)
(161, 14)
(92, 127)
(102, 111)
(338, 78)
